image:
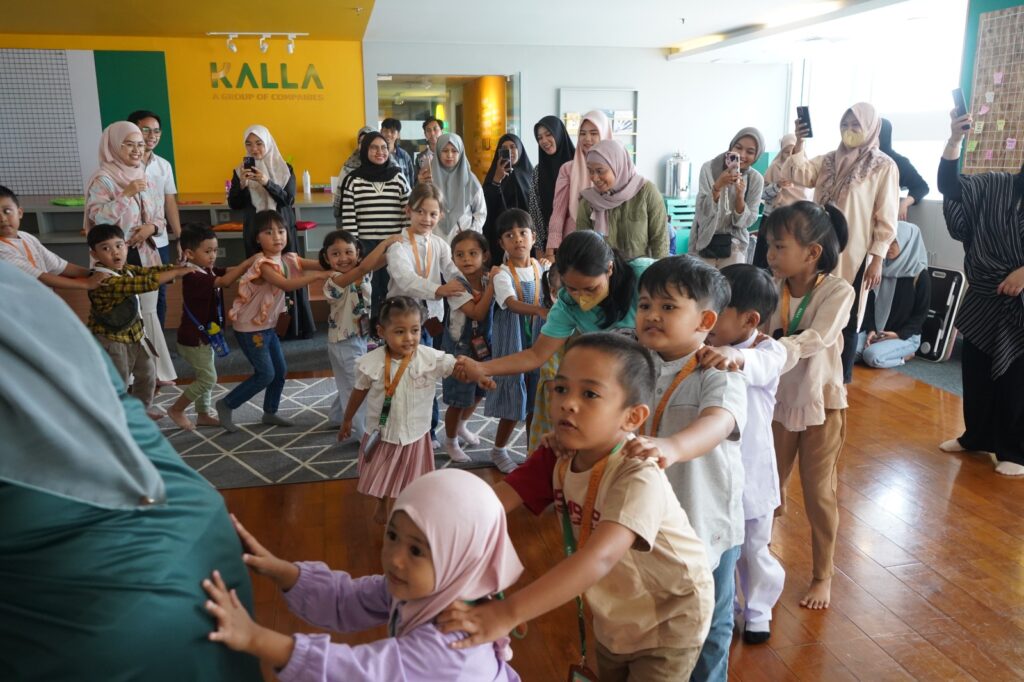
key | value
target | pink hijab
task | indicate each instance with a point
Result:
(110, 156)
(579, 179)
(464, 524)
(627, 181)
(849, 165)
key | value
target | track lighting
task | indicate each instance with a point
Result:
(264, 42)
(291, 43)
(231, 43)
(264, 46)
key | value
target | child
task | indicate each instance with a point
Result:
(804, 243)
(254, 314)
(446, 540)
(760, 358)
(202, 303)
(468, 332)
(24, 251)
(349, 292)
(695, 430)
(114, 316)
(517, 291)
(644, 572)
(541, 423)
(896, 310)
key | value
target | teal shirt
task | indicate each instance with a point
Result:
(566, 317)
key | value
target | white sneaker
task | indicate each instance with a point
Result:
(455, 453)
(502, 459)
(466, 435)
(952, 445)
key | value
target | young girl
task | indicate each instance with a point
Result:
(254, 314)
(541, 422)
(517, 291)
(400, 379)
(446, 541)
(348, 291)
(804, 243)
(468, 332)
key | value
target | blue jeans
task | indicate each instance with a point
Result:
(886, 354)
(379, 281)
(713, 664)
(263, 350)
(161, 297)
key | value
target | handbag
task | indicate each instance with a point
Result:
(720, 246)
(214, 332)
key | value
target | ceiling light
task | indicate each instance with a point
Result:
(263, 36)
(701, 41)
(264, 45)
(231, 44)
(796, 13)
(291, 43)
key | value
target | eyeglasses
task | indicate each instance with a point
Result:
(151, 131)
(137, 146)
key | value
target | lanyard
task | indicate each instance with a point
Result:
(527, 321)
(681, 375)
(28, 254)
(422, 268)
(389, 385)
(792, 325)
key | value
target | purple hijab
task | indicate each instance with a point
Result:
(627, 182)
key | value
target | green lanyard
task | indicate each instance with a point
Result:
(794, 324)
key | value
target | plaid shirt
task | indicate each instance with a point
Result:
(114, 290)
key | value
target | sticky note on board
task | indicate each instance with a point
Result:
(990, 97)
(972, 145)
(997, 77)
(1000, 124)
(979, 127)
(988, 154)
(984, 110)
(1011, 143)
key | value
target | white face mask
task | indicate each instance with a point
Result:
(852, 138)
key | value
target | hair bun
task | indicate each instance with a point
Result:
(839, 224)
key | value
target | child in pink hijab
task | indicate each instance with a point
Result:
(446, 540)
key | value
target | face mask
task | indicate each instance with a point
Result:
(591, 301)
(853, 139)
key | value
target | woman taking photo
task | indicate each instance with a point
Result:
(778, 191)
(269, 185)
(506, 185)
(464, 206)
(554, 149)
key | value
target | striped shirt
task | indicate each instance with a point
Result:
(983, 212)
(374, 210)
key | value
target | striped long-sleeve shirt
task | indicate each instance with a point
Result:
(374, 210)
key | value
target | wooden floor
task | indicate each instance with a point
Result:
(929, 569)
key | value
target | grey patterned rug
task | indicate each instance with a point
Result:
(267, 455)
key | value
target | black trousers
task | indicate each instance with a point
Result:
(993, 408)
(850, 331)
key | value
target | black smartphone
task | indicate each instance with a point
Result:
(803, 114)
(249, 162)
(960, 104)
(505, 154)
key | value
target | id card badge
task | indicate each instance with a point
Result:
(481, 351)
(581, 673)
(364, 325)
(372, 441)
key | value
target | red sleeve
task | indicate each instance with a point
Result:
(533, 480)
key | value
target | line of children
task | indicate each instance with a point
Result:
(541, 423)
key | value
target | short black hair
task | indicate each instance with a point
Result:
(810, 223)
(399, 305)
(338, 236)
(752, 289)
(194, 234)
(391, 124)
(431, 119)
(140, 114)
(589, 254)
(103, 232)
(511, 218)
(6, 193)
(636, 365)
(262, 221)
(691, 276)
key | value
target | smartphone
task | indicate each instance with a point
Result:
(961, 106)
(249, 162)
(803, 114)
(732, 160)
(505, 154)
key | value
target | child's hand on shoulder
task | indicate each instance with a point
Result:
(258, 558)
(495, 270)
(96, 279)
(487, 622)
(550, 441)
(644, 447)
(393, 239)
(725, 358)
(235, 628)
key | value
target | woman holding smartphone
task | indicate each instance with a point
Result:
(506, 185)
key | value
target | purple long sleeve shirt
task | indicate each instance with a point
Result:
(333, 600)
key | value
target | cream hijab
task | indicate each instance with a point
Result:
(272, 163)
(848, 165)
(579, 178)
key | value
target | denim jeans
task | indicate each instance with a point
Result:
(713, 664)
(263, 350)
(161, 297)
(379, 281)
(886, 354)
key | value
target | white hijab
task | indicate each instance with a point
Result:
(272, 163)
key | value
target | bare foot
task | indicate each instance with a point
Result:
(181, 420)
(819, 594)
(207, 420)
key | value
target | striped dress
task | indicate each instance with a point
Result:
(513, 397)
(374, 210)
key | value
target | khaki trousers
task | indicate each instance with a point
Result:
(661, 664)
(134, 364)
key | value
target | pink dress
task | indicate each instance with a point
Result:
(258, 305)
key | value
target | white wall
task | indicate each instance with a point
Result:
(695, 108)
(943, 250)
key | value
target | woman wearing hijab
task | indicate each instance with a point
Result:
(728, 199)
(573, 178)
(270, 185)
(910, 179)
(896, 310)
(373, 199)
(621, 205)
(554, 149)
(105, 533)
(864, 184)
(506, 185)
(986, 213)
(119, 193)
(351, 163)
(464, 206)
(778, 191)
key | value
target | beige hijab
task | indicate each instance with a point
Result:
(579, 178)
(849, 165)
(272, 163)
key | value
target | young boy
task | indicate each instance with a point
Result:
(24, 251)
(114, 317)
(202, 302)
(694, 432)
(642, 567)
(761, 359)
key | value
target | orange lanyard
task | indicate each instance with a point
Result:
(519, 287)
(28, 254)
(389, 385)
(596, 474)
(681, 375)
(791, 326)
(422, 269)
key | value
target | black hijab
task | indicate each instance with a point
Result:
(548, 165)
(885, 138)
(370, 171)
(523, 171)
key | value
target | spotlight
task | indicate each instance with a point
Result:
(231, 43)
(291, 43)
(264, 45)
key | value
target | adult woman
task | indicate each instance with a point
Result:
(105, 532)
(119, 193)
(864, 184)
(986, 213)
(269, 185)
(351, 163)
(778, 191)
(554, 149)
(373, 199)
(910, 179)
(573, 178)
(622, 206)
(464, 207)
(728, 199)
(506, 185)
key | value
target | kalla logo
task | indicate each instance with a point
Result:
(220, 77)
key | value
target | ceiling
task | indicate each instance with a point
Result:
(322, 19)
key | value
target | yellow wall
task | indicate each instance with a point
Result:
(317, 134)
(483, 111)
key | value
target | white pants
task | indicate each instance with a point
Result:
(343, 356)
(760, 575)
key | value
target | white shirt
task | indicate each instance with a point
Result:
(413, 401)
(406, 281)
(342, 321)
(504, 287)
(21, 250)
(762, 366)
(161, 178)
